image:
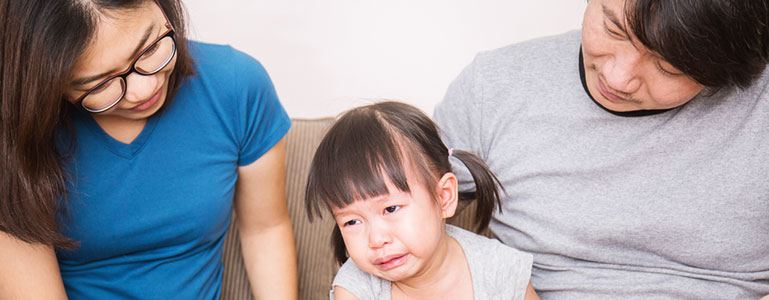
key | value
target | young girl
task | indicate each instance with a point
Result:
(384, 173)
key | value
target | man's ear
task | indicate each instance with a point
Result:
(447, 195)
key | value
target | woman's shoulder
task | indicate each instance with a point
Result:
(225, 62)
(210, 52)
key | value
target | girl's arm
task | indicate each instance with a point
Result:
(266, 237)
(341, 293)
(29, 271)
(530, 293)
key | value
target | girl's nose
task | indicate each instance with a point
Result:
(378, 236)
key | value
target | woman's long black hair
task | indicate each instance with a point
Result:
(41, 42)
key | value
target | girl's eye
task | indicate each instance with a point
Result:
(351, 222)
(392, 209)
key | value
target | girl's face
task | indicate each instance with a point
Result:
(621, 74)
(120, 37)
(396, 236)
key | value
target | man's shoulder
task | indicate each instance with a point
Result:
(537, 51)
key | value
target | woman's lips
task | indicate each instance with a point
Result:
(149, 103)
(390, 261)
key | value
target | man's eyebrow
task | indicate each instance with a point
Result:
(614, 19)
(139, 46)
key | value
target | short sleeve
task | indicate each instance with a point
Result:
(263, 120)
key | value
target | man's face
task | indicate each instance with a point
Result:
(621, 74)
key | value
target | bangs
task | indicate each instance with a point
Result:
(660, 27)
(354, 161)
(716, 43)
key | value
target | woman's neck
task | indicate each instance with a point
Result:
(123, 130)
(447, 276)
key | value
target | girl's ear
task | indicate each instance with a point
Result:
(447, 195)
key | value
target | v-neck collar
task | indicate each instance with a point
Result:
(127, 151)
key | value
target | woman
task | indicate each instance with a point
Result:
(633, 152)
(124, 148)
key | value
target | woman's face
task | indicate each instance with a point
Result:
(120, 36)
(621, 74)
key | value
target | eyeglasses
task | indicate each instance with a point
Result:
(150, 60)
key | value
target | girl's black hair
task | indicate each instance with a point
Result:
(372, 143)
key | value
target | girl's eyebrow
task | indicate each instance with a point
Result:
(139, 46)
(341, 212)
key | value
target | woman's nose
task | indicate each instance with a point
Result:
(140, 88)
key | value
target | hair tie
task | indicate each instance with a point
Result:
(451, 152)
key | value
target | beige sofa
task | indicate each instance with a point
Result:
(313, 240)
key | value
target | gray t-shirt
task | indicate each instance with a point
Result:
(498, 271)
(667, 206)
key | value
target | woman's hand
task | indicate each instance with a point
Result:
(29, 271)
(266, 236)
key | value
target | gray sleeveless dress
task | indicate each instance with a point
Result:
(498, 271)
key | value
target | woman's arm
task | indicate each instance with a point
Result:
(266, 236)
(29, 271)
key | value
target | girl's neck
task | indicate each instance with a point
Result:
(446, 277)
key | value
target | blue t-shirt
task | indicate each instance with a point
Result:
(151, 216)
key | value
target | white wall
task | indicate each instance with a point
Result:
(328, 56)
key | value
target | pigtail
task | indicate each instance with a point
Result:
(487, 187)
(337, 242)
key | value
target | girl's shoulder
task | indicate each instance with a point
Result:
(474, 243)
(498, 271)
(361, 284)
